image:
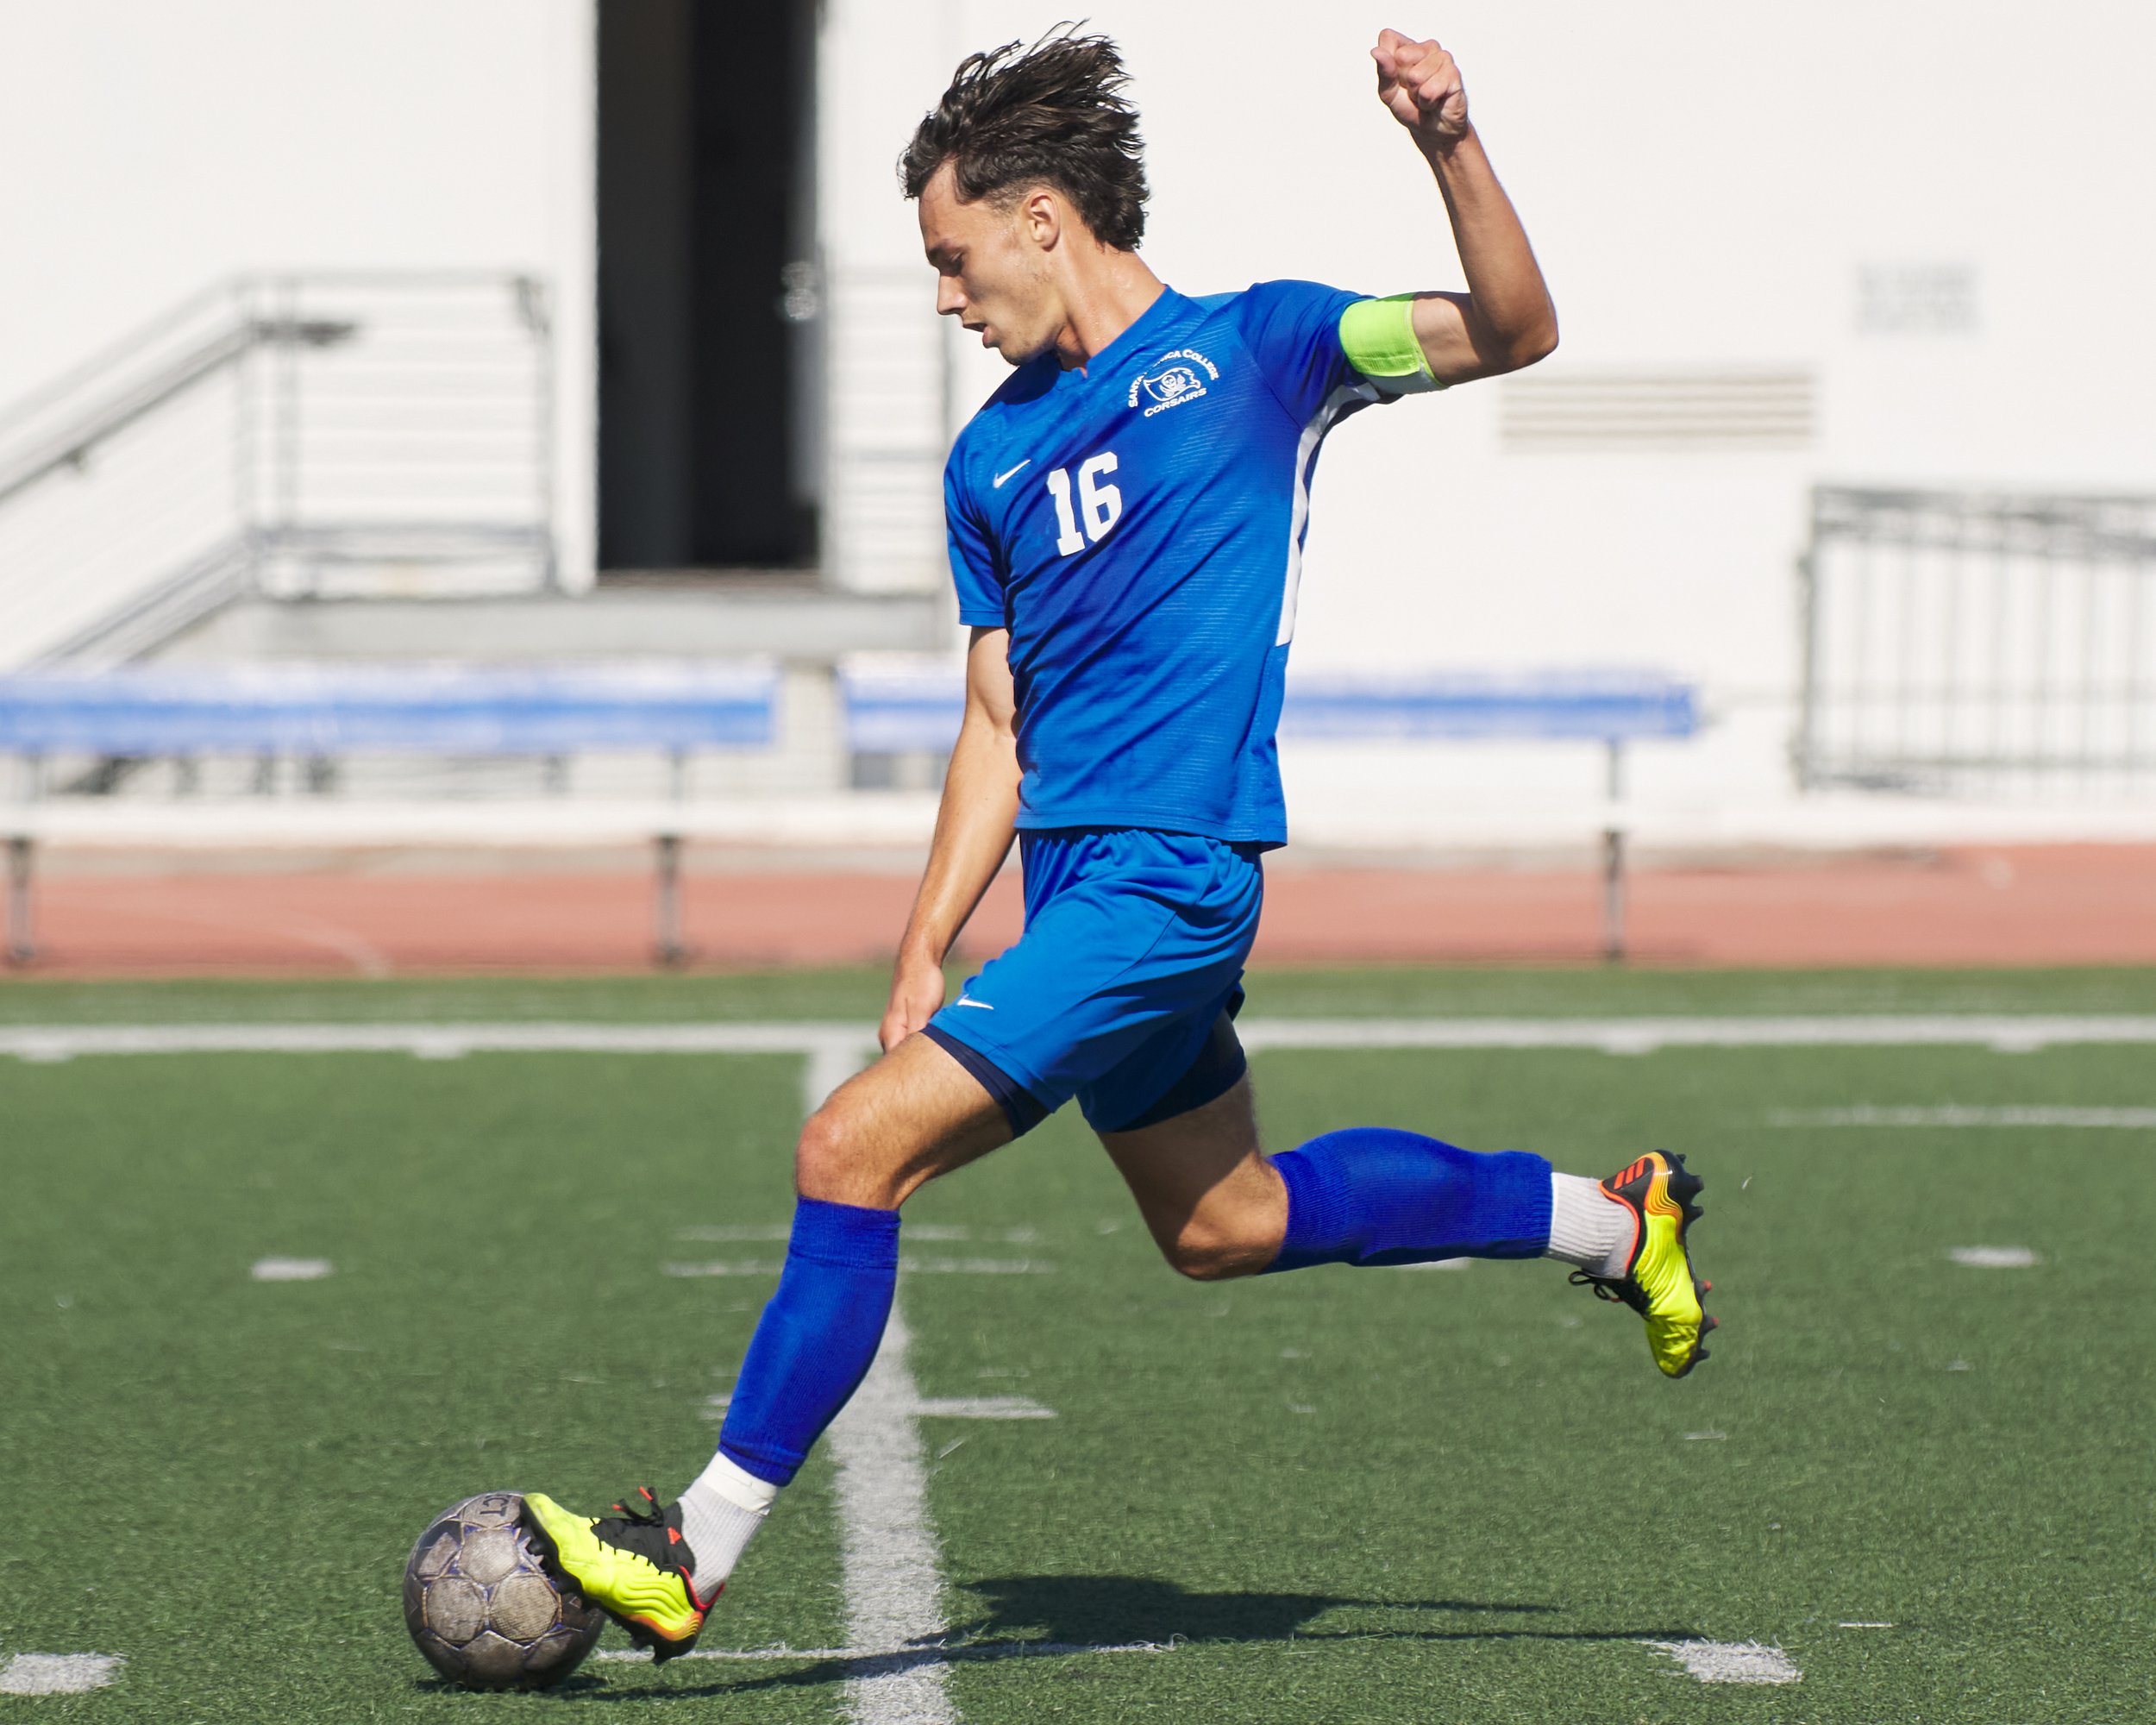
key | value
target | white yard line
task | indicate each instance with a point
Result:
(891, 1565)
(893, 1575)
(836, 1050)
(830, 1063)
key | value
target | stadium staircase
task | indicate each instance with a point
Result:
(280, 437)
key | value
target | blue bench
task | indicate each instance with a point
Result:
(429, 710)
(158, 712)
(892, 709)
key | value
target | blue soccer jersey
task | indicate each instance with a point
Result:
(1137, 526)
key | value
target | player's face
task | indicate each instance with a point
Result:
(992, 273)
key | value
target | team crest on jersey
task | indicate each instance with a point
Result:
(1182, 376)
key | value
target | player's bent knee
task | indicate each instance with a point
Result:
(1215, 1254)
(831, 1160)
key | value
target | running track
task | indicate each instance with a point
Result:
(2049, 905)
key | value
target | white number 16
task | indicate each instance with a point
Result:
(1101, 503)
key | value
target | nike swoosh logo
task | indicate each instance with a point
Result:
(1021, 466)
(983, 1005)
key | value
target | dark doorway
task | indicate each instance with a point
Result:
(706, 300)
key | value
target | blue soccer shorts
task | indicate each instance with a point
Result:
(1122, 990)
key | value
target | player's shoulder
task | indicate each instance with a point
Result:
(986, 433)
(1266, 302)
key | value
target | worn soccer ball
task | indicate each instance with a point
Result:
(481, 1608)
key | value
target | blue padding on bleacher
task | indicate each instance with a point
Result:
(896, 711)
(1597, 705)
(427, 708)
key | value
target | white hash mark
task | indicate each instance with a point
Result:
(983, 1407)
(291, 1269)
(1995, 1257)
(58, 1673)
(1731, 1661)
(907, 1265)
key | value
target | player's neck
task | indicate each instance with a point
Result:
(1106, 294)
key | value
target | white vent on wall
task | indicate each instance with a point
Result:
(1916, 300)
(1645, 409)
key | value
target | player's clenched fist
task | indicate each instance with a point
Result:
(1419, 82)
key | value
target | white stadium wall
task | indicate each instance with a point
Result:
(1933, 215)
(1928, 219)
(150, 149)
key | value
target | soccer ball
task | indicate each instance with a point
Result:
(482, 1609)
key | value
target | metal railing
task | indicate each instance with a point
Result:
(1978, 643)
(292, 435)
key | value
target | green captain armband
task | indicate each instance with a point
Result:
(1378, 336)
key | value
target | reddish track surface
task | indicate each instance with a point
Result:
(2055, 905)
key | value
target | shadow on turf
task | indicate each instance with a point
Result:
(1040, 1616)
(1113, 1609)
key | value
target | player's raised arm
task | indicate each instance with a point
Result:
(1505, 319)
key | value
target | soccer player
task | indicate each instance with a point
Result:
(1126, 517)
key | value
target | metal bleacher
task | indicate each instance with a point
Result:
(322, 715)
(900, 710)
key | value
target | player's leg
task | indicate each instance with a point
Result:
(1372, 1195)
(658, 1567)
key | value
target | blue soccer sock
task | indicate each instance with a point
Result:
(1375, 1195)
(816, 1338)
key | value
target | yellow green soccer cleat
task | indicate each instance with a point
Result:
(634, 1565)
(1658, 1282)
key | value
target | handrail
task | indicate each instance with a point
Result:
(71, 449)
(110, 358)
(282, 433)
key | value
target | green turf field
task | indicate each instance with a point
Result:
(1390, 1495)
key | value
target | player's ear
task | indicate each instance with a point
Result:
(1042, 217)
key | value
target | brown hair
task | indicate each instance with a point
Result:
(1053, 114)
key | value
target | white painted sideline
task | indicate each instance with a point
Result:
(833, 1048)
(1955, 1114)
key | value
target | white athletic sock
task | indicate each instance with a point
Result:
(1588, 1227)
(720, 1514)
